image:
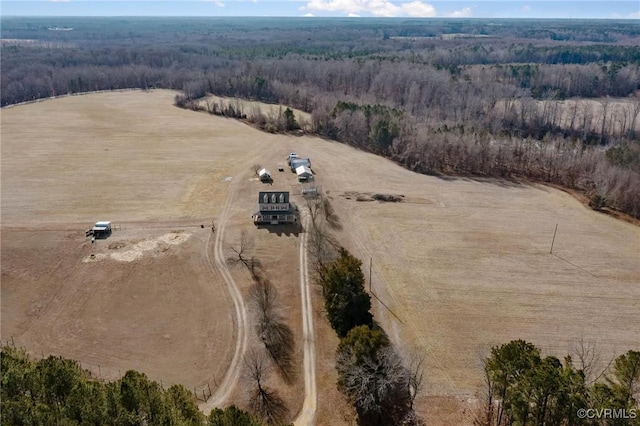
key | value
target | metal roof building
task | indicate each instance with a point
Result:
(304, 173)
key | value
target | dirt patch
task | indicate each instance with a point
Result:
(95, 257)
(141, 248)
(368, 196)
(388, 198)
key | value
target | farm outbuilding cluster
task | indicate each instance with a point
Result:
(301, 166)
(274, 207)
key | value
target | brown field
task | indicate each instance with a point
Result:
(458, 266)
(462, 265)
(253, 107)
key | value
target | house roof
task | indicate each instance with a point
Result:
(263, 172)
(301, 160)
(273, 197)
(303, 170)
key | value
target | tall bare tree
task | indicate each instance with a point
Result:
(242, 253)
(263, 401)
(589, 360)
(271, 327)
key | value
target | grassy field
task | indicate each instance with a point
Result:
(147, 297)
(461, 265)
(458, 266)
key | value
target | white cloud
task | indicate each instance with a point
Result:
(308, 15)
(353, 15)
(418, 9)
(635, 15)
(462, 13)
(383, 8)
(526, 8)
(59, 1)
(218, 3)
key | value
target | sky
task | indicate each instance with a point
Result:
(571, 9)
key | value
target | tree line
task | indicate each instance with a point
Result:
(525, 388)
(57, 391)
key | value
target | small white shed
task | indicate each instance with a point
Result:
(264, 175)
(304, 173)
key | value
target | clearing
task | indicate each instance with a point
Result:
(459, 265)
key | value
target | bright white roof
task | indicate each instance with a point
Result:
(303, 169)
(263, 171)
(103, 223)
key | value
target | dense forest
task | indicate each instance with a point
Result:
(555, 101)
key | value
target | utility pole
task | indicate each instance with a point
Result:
(370, 264)
(554, 239)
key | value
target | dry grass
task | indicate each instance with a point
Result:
(254, 108)
(460, 264)
(147, 299)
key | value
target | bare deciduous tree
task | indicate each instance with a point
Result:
(589, 360)
(271, 328)
(416, 374)
(323, 249)
(377, 387)
(319, 207)
(242, 253)
(487, 415)
(263, 401)
(321, 244)
(263, 296)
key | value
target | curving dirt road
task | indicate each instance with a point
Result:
(308, 413)
(230, 379)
